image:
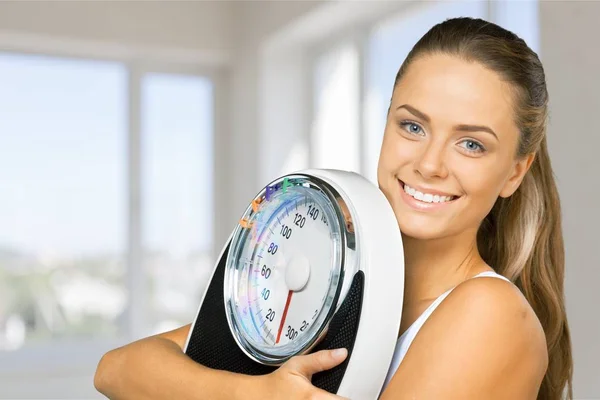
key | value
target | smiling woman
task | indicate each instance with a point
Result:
(464, 165)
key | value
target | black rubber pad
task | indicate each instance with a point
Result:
(212, 344)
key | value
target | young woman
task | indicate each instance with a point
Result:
(464, 164)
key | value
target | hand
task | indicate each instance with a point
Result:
(293, 379)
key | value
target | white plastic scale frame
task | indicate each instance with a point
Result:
(381, 260)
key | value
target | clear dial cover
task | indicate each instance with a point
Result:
(284, 270)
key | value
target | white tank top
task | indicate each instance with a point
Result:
(405, 340)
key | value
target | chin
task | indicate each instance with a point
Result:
(420, 233)
(419, 228)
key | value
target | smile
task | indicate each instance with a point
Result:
(422, 200)
(427, 197)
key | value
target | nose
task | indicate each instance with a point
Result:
(431, 162)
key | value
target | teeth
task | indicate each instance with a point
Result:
(426, 197)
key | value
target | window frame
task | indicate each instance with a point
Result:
(76, 357)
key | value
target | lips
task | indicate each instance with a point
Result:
(424, 199)
(427, 191)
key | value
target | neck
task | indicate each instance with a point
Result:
(434, 266)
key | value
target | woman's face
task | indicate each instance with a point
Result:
(450, 141)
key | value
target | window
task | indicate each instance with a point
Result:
(520, 17)
(66, 183)
(63, 136)
(177, 168)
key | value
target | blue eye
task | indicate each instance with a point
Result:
(473, 146)
(411, 127)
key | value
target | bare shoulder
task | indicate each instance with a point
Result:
(483, 341)
(493, 303)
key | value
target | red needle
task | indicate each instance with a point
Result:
(285, 310)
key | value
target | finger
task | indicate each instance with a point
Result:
(317, 362)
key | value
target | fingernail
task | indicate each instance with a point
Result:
(339, 353)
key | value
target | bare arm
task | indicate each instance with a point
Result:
(177, 336)
(157, 368)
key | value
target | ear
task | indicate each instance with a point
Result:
(519, 170)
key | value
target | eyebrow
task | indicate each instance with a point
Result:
(461, 127)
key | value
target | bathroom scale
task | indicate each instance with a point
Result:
(315, 262)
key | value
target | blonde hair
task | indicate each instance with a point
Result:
(521, 237)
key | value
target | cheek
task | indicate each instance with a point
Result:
(481, 180)
(395, 151)
(385, 162)
(388, 163)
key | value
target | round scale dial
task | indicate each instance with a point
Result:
(285, 269)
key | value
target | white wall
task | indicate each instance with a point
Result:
(197, 31)
(571, 56)
(256, 22)
(285, 113)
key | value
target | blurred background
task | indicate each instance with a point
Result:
(133, 134)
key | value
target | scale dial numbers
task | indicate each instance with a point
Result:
(283, 273)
